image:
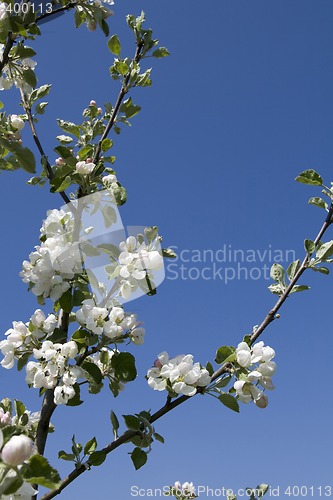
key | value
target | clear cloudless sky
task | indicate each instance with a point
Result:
(242, 106)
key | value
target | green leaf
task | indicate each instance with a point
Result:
(293, 268)
(85, 152)
(129, 109)
(230, 402)
(139, 458)
(325, 250)
(23, 155)
(123, 364)
(40, 108)
(277, 272)
(120, 195)
(121, 67)
(262, 489)
(310, 177)
(109, 215)
(299, 288)
(90, 446)
(66, 154)
(66, 301)
(223, 353)
(209, 368)
(23, 360)
(97, 458)
(64, 185)
(223, 382)
(10, 485)
(161, 52)
(158, 437)
(79, 17)
(40, 92)
(110, 249)
(322, 270)
(70, 457)
(29, 77)
(19, 408)
(115, 424)
(132, 422)
(39, 471)
(309, 246)
(75, 401)
(114, 45)
(168, 253)
(106, 144)
(93, 370)
(318, 202)
(69, 127)
(151, 233)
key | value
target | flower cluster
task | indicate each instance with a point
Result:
(55, 262)
(113, 322)
(57, 223)
(247, 386)
(53, 365)
(136, 260)
(51, 267)
(177, 375)
(22, 338)
(182, 491)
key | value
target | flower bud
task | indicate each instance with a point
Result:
(92, 103)
(60, 161)
(262, 401)
(99, 111)
(17, 122)
(17, 450)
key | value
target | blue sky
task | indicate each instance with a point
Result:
(242, 106)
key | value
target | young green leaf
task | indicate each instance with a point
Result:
(161, 52)
(139, 458)
(229, 401)
(310, 177)
(114, 45)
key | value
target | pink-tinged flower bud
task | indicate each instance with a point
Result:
(91, 25)
(157, 363)
(262, 401)
(88, 160)
(99, 111)
(17, 450)
(92, 103)
(60, 161)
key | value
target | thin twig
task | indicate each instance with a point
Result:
(122, 93)
(69, 6)
(5, 55)
(49, 170)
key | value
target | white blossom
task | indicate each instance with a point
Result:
(180, 373)
(137, 336)
(15, 120)
(84, 168)
(259, 358)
